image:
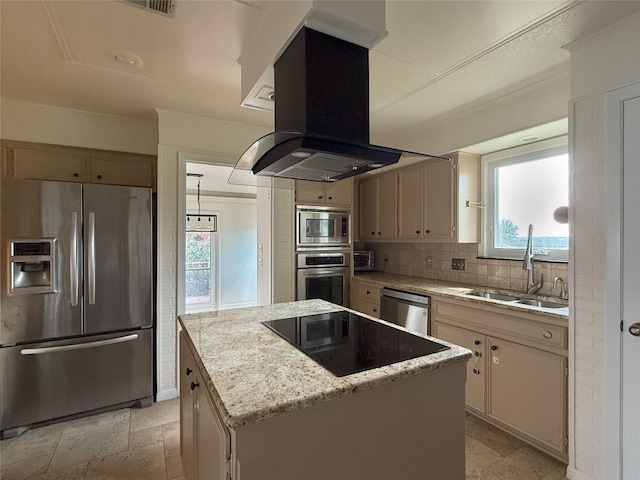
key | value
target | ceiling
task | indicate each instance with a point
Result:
(439, 59)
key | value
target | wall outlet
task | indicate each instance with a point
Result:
(457, 264)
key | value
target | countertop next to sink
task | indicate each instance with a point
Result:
(459, 291)
(253, 374)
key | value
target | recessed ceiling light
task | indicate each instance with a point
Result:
(128, 59)
(529, 138)
(301, 154)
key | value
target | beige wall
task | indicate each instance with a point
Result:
(31, 122)
(180, 133)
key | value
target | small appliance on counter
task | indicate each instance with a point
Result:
(364, 260)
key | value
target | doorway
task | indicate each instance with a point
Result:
(220, 263)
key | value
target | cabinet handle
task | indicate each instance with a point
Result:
(427, 231)
(477, 353)
(379, 233)
(418, 232)
(373, 233)
(319, 197)
(194, 385)
(188, 371)
(494, 347)
(330, 198)
(547, 334)
(375, 309)
(368, 292)
(477, 342)
(476, 371)
(99, 177)
(76, 174)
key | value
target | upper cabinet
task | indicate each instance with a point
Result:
(379, 207)
(321, 193)
(70, 164)
(427, 203)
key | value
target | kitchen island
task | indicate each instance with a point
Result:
(255, 407)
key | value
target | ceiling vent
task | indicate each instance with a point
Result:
(164, 7)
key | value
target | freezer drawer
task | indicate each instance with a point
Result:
(44, 381)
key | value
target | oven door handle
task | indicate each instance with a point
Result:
(322, 272)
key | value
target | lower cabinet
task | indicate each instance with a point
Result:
(205, 444)
(517, 377)
(365, 297)
(476, 366)
(528, 390)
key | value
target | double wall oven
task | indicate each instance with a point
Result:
(323, 241)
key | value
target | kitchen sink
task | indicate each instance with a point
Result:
(541, 303)
(493, 296)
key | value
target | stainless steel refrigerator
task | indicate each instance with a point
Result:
(76, 330)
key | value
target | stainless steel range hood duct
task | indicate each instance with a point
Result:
(321, 114)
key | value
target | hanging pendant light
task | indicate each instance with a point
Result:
(199, 222)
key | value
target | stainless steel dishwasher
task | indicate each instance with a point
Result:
(409, 310)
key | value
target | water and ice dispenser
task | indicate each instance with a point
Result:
(32, 265)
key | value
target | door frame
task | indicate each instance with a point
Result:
(613, 279)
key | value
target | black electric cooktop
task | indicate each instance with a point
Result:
(346, 343)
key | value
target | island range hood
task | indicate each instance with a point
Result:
(321, 114)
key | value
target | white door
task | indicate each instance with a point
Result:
(630, 341)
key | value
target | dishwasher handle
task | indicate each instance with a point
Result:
(407, 296)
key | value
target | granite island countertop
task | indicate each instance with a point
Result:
(253, 374)
(460, 291)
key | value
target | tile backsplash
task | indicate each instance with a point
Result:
(433, 260)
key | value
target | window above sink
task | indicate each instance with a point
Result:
(525, 185)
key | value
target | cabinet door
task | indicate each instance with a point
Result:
(411, 203)
(46, 164)
(339, 193)
(476, 366)
(212, 440)
(122, 169)
(439, 191)
(187, 405)
(309, 192)
(527, 390)
(387, 206)
(368, 209)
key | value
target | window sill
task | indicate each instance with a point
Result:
(520, 259)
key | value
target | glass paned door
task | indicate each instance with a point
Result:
(200, 270)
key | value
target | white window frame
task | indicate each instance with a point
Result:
(525, 153)
(214, 273)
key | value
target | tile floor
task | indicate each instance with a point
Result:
(145, 444)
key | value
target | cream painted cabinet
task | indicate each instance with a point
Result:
(379, 207)
(517, 377)
(71, 164)
(365, 297)
(41, 163)
(432, 200)
(476, 366)
(527, 390)
(320, 193)
(122, 169)
(205, 444)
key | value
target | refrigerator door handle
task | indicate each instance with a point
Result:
(91, 261)
(78, 346)
(73, 256)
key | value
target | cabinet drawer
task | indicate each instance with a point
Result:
(370, 308)
(484, 320)
(368, 292)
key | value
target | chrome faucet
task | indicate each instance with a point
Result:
(532, 285)
(564, 291)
